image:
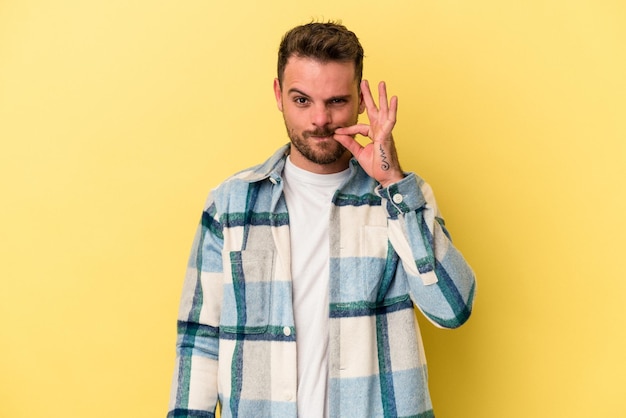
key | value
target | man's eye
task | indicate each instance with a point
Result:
(338, 101)
(301, 100)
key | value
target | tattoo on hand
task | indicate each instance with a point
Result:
(384, 164)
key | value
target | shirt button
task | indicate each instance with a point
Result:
(273, 180)
(397, 198)
(287, 331)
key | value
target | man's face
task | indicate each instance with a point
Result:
(316, 98)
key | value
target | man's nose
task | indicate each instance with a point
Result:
(320, 116)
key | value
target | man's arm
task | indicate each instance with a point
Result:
(194, 387)
(442, 284)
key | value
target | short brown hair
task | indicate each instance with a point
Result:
(324, 42)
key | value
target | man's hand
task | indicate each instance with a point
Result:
(378, 158)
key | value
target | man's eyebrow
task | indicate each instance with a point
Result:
(296, 91)
(340, 97)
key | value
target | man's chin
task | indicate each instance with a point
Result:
(321, 150)
(327, 156)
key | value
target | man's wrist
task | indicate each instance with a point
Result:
(395, 179)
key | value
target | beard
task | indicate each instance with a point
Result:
(318, 152)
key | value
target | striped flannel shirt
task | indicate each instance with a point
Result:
(389, 252)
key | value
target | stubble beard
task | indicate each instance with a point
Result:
(318, 152)
(322, 152)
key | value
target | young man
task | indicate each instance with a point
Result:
(305, 270)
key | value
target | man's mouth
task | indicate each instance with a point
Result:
(320, 134)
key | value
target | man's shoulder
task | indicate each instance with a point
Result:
(269, 167)
(240, 181)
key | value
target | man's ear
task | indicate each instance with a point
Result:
(278, 94)
(361, 102)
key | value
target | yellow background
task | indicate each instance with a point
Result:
(117, 117)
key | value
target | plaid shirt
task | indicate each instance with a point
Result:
(389, 252)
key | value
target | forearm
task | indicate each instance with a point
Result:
(442, 284)
(194, 387)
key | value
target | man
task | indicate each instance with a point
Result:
(305, 270)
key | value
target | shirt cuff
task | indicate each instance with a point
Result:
(404, 196)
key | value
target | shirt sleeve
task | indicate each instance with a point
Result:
(194, 386)
(441, 283)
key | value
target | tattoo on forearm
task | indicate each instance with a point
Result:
(384, 164)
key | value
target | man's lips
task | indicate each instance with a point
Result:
(321, 135)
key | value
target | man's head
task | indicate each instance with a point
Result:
(318, 90)
(323, 42)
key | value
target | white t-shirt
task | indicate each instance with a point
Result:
(308, 197)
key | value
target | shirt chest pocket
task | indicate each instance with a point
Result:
(248, 296)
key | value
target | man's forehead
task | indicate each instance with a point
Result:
(303, 73)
